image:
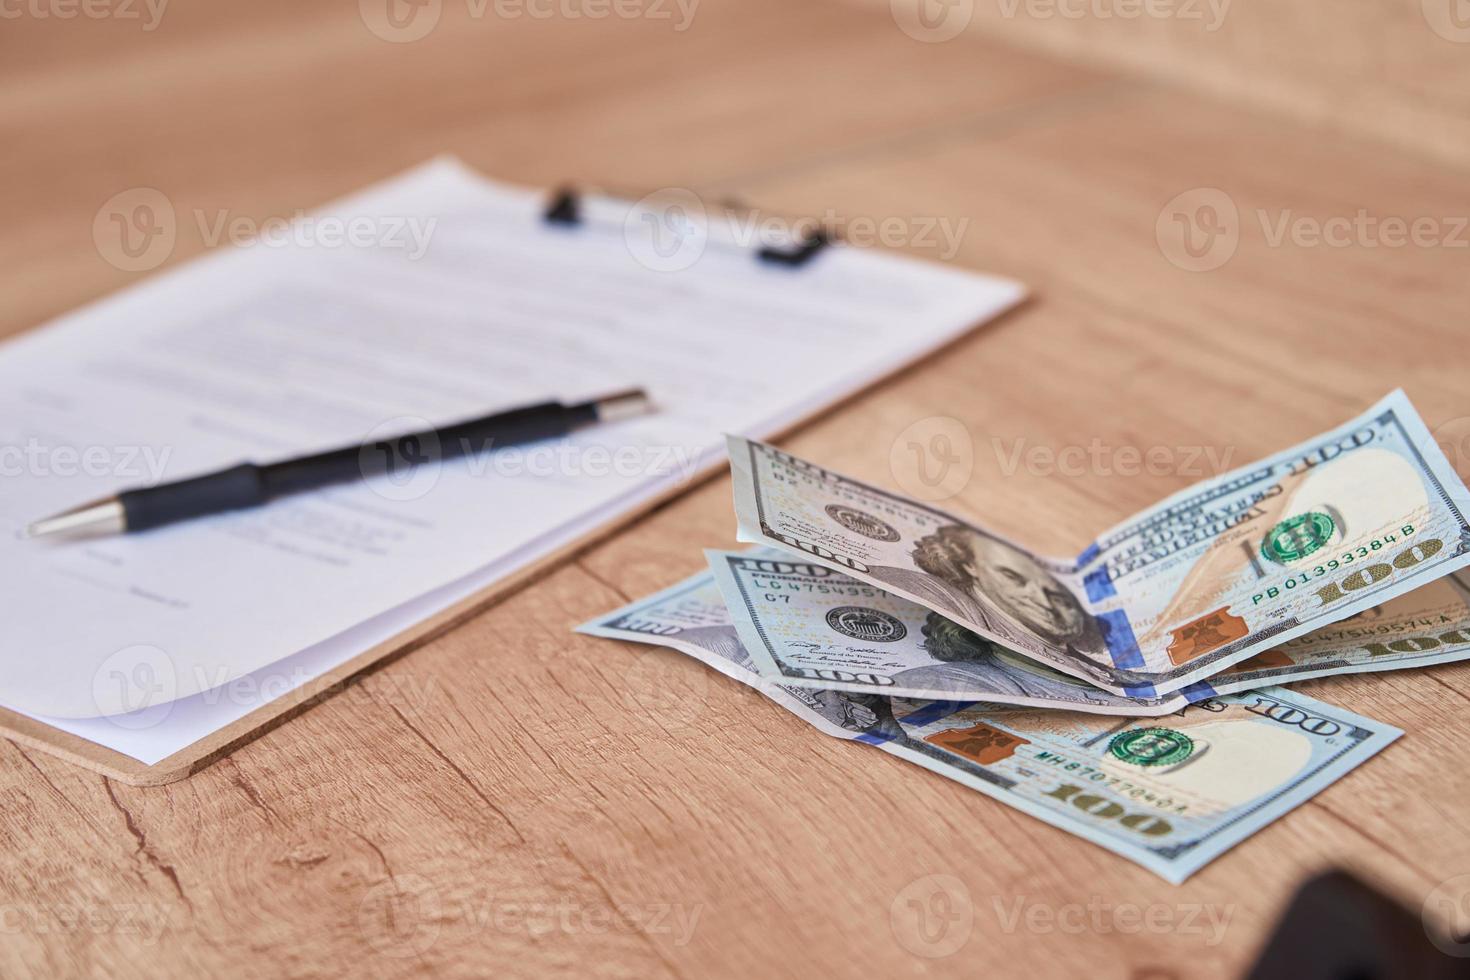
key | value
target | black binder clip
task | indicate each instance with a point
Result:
(800, 254)
(564, 209)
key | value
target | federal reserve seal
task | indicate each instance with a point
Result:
(1152, 746)
(859, 522)
(1297, 537)
(868, 625)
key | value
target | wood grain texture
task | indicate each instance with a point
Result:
(515, 799)
(1396, 71)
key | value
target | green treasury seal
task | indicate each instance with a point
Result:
(1297, 537)
(1152, 746)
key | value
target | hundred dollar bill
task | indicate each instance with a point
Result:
(1183, 590)
(1168, 793)
(807, 625)
(691, 617)
(1423, 628)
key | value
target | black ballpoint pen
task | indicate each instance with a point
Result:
(250, 484)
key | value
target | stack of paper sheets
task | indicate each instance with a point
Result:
(147, 643)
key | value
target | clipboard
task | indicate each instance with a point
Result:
(567, 209)
(33, 734)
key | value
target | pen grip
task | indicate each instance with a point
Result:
(230, 489)
(403, 453)
(249, 485)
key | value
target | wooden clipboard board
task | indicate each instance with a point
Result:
(37, 735)
(33, 734)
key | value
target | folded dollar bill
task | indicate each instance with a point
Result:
(690, 617)
(1198, 583)
(1169, 793)
(806, 625)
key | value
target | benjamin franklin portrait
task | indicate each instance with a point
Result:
(998, 587)
(972, 666)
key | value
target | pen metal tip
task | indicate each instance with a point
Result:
(623, 405)
(98, 517)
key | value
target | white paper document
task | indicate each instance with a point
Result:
(146, 643)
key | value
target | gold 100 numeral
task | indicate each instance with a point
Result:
(1367, 575)
(1148, 824)
(1418, 644)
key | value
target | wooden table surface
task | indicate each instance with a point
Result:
(512, 798)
